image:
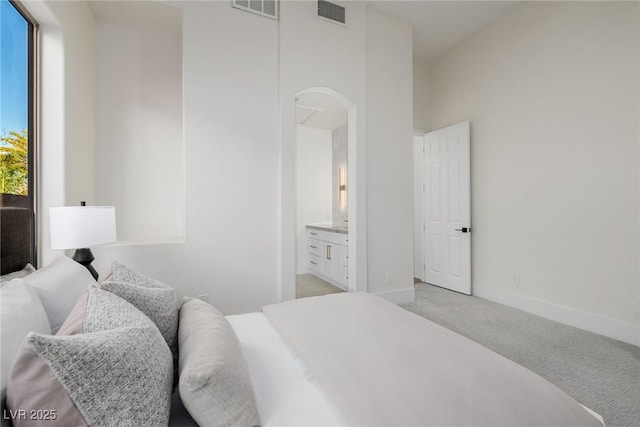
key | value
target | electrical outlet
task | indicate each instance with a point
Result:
(204, 297)
(516, 281)
(388, 278)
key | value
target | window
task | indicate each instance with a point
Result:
(17, 136)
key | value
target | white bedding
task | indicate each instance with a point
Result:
(286, 392)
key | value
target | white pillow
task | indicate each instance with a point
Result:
(27, 270)
(20, 313)
(59, 286)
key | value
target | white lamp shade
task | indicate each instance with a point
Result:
(74, 227)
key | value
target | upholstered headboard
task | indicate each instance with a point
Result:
(15, 238)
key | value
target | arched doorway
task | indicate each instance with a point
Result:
(350, 201)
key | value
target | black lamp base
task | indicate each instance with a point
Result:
(85, 257)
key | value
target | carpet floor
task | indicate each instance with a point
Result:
(601, 373)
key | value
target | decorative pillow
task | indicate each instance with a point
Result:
(20, 313)
(98, 310)
(117, 372)
(74, 324)
(58, 286)
(214, 385)
(155, 299)
(122, 273)
(27, 270)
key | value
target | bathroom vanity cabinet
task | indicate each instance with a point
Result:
(328, 254)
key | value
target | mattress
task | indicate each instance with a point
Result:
(287, 393)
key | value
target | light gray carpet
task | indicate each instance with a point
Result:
(599, 372)
(308, 285)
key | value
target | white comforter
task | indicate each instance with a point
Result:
(286, 392)
(382, 365)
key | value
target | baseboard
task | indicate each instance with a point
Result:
(612, 328)
(399, 296)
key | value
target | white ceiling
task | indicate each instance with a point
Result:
(438, 25)
(320, 111)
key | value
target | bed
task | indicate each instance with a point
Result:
(391, 387)
(343, 359)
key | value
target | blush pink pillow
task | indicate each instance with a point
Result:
(33, 385)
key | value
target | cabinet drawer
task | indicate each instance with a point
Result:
(314, 247)
(314, 262)
(312, 233)
(328, 236)
(336, 238)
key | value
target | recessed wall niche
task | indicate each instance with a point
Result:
(139, 155)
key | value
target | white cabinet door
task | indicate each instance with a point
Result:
(328, 256)
(333, 262)
(337, 254)
(327, 264)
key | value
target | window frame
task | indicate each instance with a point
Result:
(33, 122)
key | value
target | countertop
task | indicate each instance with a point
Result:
(329, 227)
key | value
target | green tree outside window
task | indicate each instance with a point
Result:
(14, 163)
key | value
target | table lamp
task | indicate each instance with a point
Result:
(80, 227)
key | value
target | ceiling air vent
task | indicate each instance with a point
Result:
(268, 8)
(332, 11)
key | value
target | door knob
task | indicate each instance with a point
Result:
(464, 229)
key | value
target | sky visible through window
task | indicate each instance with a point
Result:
(14, 101)
(13, 69)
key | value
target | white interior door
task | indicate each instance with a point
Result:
(418, 189)
(447, 208)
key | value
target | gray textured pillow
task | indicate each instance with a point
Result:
(122, 273)
(118, 371)
(214, 385)
(155, 299)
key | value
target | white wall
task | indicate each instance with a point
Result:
(418, 200)
(339, 162)
(422, 104)
(65, 148)
(230, 72)
(313, 186)
(389, 156)
(240, 75)
(421, 94)
(315, 52)
(552, 92)
(139, 135)
(80, 60)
